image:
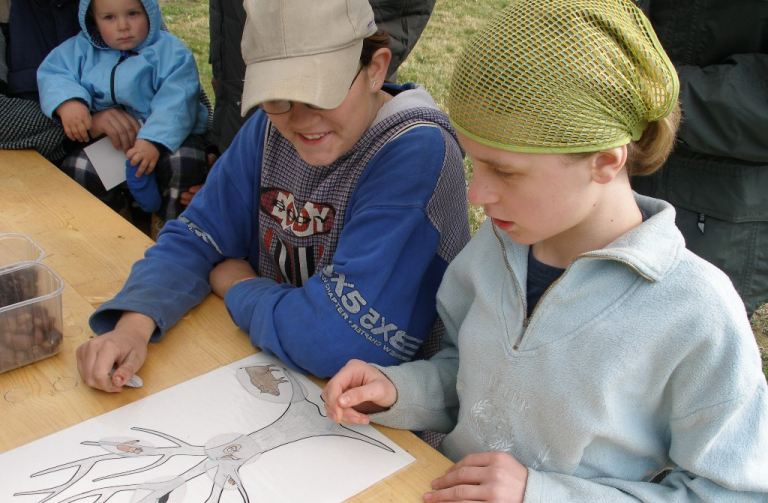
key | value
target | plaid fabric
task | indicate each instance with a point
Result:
(175, 173)
(23, 125)
(431, 437)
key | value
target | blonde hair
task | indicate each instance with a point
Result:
(649, 153)
(646, 155)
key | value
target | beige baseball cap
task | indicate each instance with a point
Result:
(303, 50)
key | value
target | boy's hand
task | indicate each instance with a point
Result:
(484, 476)
(356, 390)
(125, 346)
(119, 126)
(229, 272)
(145, 154)
(76, 120)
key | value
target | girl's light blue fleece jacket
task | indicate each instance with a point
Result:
(639, 358)
(157, 82)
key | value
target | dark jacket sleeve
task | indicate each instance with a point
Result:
(725, 108)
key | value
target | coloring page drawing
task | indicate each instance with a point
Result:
(250, 432)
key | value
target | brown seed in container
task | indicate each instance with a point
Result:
(39, 352)
(39, 335)
(25, 356)
(25, 323)
(21, 341)
(7, 360)
(6, 341)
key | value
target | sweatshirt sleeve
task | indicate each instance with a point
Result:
(724, 108)
(175, 107)
(58, 77)
(172, 278)
(376, 300)
(703, 442)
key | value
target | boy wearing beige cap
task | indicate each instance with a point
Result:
(588, 356)
(328, 223)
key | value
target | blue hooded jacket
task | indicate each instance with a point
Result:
(156, 82)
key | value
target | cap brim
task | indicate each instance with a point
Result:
(321, 80)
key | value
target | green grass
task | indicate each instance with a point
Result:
(452, 23)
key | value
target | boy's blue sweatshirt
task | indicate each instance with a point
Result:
(350, 255)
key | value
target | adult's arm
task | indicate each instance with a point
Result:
(38, 131)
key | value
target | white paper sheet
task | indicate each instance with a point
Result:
(249, 431)
(108, 161)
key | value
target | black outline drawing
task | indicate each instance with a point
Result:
(223, 455)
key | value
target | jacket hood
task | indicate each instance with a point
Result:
(89, 26)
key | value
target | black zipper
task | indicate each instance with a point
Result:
(123, 56)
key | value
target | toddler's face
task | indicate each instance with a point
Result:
(123, 24)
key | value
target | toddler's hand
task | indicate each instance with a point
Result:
(76, 120)
(356, 390)
(145, 154)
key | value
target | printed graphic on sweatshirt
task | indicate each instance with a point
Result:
(489, 419)
(313, 218)
(295, 264)
(365, 319)
(193, 227)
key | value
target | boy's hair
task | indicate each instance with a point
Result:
(378, 40)
(563, 76)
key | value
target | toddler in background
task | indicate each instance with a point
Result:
(588, 355)
(122, 58)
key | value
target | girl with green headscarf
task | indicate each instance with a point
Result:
(588, 355)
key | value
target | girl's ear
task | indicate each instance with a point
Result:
(377, 68)
(607, 164)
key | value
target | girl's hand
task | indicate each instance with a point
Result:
(484, 476)
(356, 390)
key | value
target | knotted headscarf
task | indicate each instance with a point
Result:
(562, 76)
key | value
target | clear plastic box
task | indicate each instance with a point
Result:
(31, 320)
(15, 248)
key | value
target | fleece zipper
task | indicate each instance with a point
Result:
(123, 56)
(527, 319)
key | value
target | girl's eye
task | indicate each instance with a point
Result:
(504, 174)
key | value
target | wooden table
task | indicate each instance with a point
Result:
(92, 249)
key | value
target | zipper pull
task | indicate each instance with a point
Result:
(702, 222)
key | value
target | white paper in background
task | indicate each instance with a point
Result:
(247, 432)
(108, 161)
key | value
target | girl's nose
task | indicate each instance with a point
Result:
(480, 189)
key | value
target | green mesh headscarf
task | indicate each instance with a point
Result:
(562, 76)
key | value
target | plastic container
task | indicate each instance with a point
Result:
(15, 248)
(31, 320)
